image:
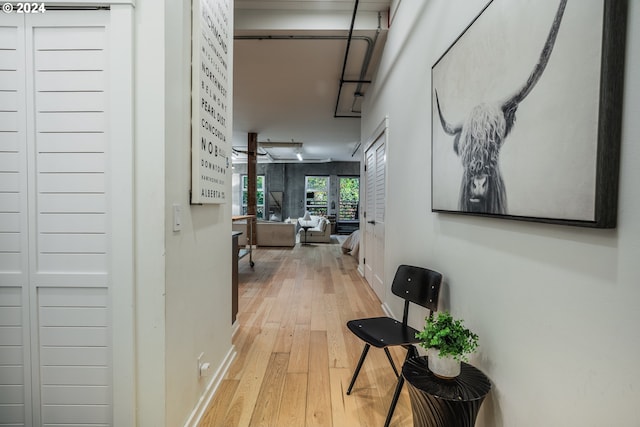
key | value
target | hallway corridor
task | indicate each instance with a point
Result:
(295, 355)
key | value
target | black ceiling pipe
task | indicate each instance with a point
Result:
(346, 56)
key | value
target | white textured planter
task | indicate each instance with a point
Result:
(443, 367)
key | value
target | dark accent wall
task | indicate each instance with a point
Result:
(289, 178)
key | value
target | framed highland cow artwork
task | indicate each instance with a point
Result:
(526, 112)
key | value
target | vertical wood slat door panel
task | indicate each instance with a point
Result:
(73, 223)
(74, 356)
(73, 415)
(55, 263)
(71, 101)
(11, 376)
(380, 195)
(10, 162)
(10, 222)
(85, 37)
(55, 321)
(9, 202)
(74, 247)
(70, 163)
(86, 182)
(72, 203)
(70, 122)
(9, 80)
(15, 378)
(8, 60)
(73, 59)
(82, 395)
(81, 81)
(70, 144)
(370, 210)
(9, 120)
(9, 182)
(380, 182)
(9, 141)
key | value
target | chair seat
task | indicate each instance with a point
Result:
(381, 332)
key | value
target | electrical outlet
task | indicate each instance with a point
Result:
(203, 367)
(199, 365)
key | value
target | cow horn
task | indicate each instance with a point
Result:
(446, 126)
(544, 58)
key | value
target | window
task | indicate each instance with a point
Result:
(317, 194)
(349, 198)
(260, 192)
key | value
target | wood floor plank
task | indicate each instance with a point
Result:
(327, 278)
(267, 406)
(344, 411)
(243, 344)
(368, 403)
(217, 411)
(318, 411)
(294, 400)
(277, 310)
(253, 373)
(245, 339)
(299, 357)
(284, 340)
(303, 304)
(318, 319)
(286, 316)
(338, 356)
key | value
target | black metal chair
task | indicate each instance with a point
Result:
(416, 285)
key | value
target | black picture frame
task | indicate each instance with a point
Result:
(548, 185)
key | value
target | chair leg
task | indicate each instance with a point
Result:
(357, 371)
(393, 365)
(394, 401)
(411, 352)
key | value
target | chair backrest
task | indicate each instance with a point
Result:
(417, 285)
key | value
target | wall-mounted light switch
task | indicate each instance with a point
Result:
(177, 217)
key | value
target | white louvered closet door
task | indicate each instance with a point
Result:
(55, 338)
(375, 192)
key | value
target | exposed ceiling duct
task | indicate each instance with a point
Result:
(358, 92)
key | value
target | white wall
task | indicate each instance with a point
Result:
(198, 258)
(556, 307)
(183, 279)
(149, 205)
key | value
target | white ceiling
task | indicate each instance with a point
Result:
(288, 61)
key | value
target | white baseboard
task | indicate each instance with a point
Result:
(360, 270)
(234, 328)
(204, 401)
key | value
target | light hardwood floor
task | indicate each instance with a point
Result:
(295, 353)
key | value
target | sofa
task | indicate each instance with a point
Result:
(268, 233)
(320, 231)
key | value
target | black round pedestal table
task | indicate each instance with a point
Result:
(305, 228)
(438, 402)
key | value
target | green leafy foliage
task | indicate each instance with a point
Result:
(349, 198)
(448, 335)
(317, 183)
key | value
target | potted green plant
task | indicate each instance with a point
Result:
(448, 342)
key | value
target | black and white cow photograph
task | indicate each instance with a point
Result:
(515, 110)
